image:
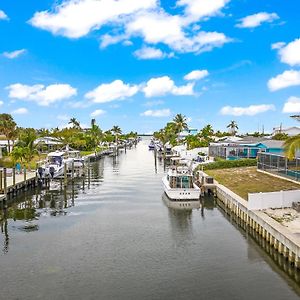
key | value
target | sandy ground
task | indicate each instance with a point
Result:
(287, 217)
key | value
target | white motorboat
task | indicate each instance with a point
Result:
(74, 155)
(179, 184)
(55, 165)
(151, 146)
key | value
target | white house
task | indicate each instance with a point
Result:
(290, 131)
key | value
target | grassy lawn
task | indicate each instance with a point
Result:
(247, 180)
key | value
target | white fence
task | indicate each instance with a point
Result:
(280, 199)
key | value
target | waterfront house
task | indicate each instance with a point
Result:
(48, 143)
(247, 147)
(290, 131)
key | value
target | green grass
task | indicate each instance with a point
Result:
(247, 180)
(225, 164)
(84, 153)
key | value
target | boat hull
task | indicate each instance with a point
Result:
(181, 204)
(181, 194)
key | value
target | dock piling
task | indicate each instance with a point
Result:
(65, 175)
(1, 180)
(5, 181)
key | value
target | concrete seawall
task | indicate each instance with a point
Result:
(285, 242)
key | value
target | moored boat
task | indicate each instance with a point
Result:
(179, 184)
(151, 145)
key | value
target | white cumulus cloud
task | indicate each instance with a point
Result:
(292, 105)
(157, 113)
(20, 111)
(76, 18)
(246, 111)
(130, 18)
(107, 92)
(161, 86)
(97, 113)
(14, 54)
(290, 54)
(150, 53)
(42, 95)
(3, 15)
(197, 9)
(284, 80)
(196, 75)
(256, 20)
(277, 45)
(160, 27)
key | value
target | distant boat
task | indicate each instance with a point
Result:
(179, 184)
(151, 145)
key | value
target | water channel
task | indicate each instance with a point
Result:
(113, 237)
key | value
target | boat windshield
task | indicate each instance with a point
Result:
(182, 182)
(55, 160)
(185, 182)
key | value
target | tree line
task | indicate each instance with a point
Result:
(22, 144)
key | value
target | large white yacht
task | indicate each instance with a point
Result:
(179, 184)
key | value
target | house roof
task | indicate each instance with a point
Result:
(273, 143)
(286, 129)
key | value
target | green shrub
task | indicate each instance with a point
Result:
(225, 164)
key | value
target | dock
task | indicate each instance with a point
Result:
(11, 182)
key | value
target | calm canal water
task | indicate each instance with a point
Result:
(115, 238)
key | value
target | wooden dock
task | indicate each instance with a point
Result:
(10, 182)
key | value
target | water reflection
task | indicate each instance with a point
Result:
(55, 200)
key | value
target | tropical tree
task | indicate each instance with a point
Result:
(95, 133)
(280, 136)
(181, 122)
(291, 146)
(27, 137)
(233, 127)
(75, 123)
(43, 132)
(116, 130)
(207, 131)
(8, 127)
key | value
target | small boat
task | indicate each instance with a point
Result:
(54, 166)
(179, 184)
(152, 145)
(74, 155)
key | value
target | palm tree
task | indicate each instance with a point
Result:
(75, 123)
(233, 127)
(291, 146)
(180, 122)
(117, 131)
(207, 131)
(8, 127)
(95, 133)
(43, 132)
(26, 140)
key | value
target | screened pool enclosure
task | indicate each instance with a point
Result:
(279, 165)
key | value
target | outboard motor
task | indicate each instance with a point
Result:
(52, 171)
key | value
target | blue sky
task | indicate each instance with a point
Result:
(137, 63)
